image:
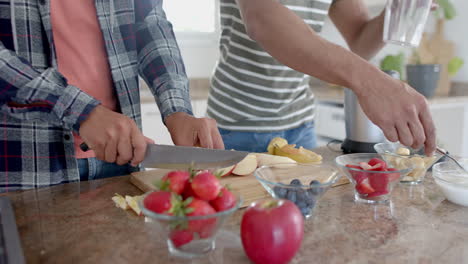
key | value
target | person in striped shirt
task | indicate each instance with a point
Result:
(259, 89)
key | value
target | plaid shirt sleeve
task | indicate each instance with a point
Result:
(28, 94)
(160, 61)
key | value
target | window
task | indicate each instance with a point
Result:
(192, 16)
(196, 26)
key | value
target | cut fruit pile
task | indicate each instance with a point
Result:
(420, 163)
(371, 184)
(184, 193)
(251, 162)
(280, 147)
(128, 202)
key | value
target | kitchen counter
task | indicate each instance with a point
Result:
(78, 223)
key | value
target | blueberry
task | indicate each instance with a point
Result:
(296, 182)
(315, 189)
(281, 192)
(291, 196)
(305, 211)
(314, 182)
(301, 204)
(301, 195)
(310, 199)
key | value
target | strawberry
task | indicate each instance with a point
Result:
(374, 163)
(225, 200)
(174, 181)
(364, 188)
(206, 186)
(393, 176)
(188, 191)
(197, 207)
(163, 202)
(180, 237)
(379, 181)
(358, 176)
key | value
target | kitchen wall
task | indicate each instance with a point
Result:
(200, 55)
(454, 32)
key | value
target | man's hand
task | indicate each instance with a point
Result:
(187, 130)
(401, 112)
(114, 137)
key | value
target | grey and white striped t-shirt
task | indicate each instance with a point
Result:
(252, 91)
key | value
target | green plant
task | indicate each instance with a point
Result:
(454, 65)
(393, 63)
(446, 10)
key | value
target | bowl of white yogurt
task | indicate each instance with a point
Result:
(452, 181)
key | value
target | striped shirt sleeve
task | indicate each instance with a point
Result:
(160, 61)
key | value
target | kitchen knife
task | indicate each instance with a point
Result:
(178, 157)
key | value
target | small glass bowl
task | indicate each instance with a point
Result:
(310, 183)
(202, 229)
(452, 181)
(371, 186)
(421, 163)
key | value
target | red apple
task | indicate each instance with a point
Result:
(272, 231)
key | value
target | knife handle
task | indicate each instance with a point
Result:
(84, 147)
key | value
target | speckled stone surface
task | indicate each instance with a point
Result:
(78, 223)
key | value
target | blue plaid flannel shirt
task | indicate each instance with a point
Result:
(39, 110)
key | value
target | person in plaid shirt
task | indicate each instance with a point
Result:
(69, 73)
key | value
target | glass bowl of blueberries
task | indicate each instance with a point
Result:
(302, 184)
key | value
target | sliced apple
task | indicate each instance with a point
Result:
(133, 203)
(246, 166)
(120, 202)
(268, 160)
(223, 172)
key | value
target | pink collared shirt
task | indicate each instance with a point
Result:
(81, 53)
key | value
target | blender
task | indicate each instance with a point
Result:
(361, 133)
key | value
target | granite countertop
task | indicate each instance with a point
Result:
(78, 223)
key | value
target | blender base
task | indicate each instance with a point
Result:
(351, 146)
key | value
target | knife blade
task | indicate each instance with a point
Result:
(179, 157)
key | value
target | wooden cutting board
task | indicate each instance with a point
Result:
(247, 186)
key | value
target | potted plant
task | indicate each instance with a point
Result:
(393, 63)
(434, 62)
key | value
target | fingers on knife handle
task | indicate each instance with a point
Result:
(84, 147)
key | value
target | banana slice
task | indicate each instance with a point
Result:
(133, 203)
(120, 201)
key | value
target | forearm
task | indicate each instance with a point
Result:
(369, 41)
(160, 61)
(296, 45)
(28, 94)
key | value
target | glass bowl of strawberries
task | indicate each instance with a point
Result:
(188, 210)
(373, 180)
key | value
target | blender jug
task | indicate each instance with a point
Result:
(361, 133)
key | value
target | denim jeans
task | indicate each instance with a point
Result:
(258, 141)
(93, 169)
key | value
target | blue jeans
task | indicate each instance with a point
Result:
(258, 141)
(93, 169)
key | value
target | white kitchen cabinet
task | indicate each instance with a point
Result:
(153, 126)
(450, 117)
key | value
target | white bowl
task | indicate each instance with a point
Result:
(452, 181)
